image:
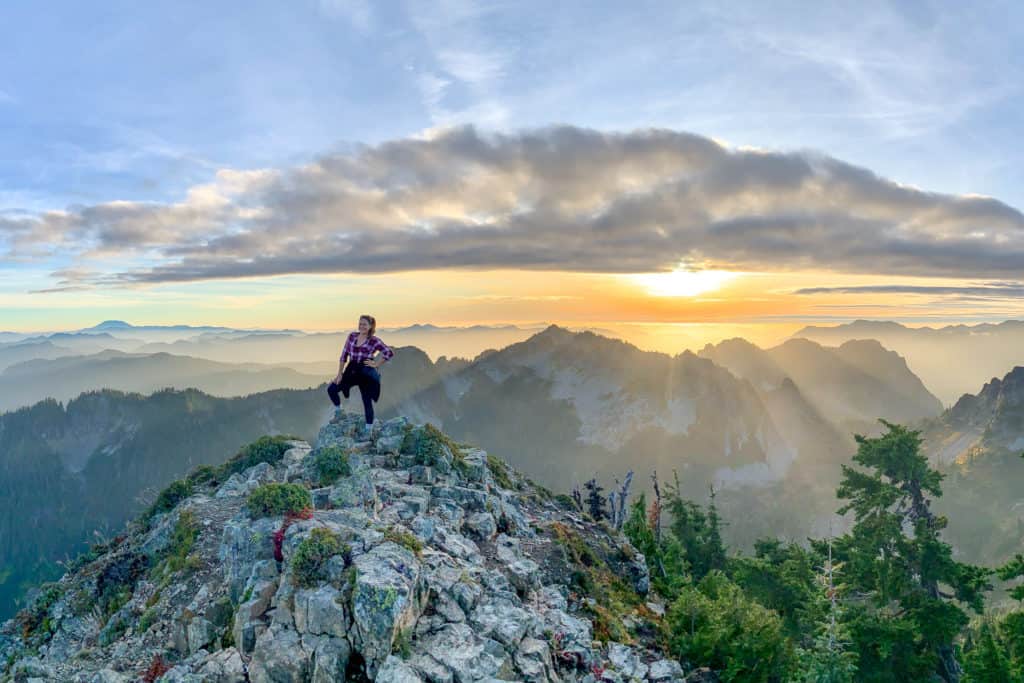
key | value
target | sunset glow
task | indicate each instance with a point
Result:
(684, 282)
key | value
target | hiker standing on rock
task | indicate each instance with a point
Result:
(360, 351)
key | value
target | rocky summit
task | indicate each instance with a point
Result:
(395, 556)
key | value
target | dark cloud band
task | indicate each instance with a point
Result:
(559, 198)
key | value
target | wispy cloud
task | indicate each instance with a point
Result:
(357, 12)
(557, 198)
(990, 291)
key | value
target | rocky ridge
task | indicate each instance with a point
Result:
(420, 560)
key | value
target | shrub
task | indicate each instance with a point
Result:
(268, 449)
(274, 499)
(203, 474)
(427, 443)
(331, 463)
(311, 556)
(404, 539)
(176, 492)
(499, 469)
(716, 624)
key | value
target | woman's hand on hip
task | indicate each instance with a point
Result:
(371, 362)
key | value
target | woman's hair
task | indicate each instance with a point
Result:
(373, 324)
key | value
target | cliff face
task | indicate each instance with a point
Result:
(407, 557)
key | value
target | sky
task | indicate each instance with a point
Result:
(747, 167)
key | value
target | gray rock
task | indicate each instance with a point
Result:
(626, 661)
(665, 670)
(533, 659)
(481, 525)
(279, 656)
(388, 597)
(390, 444)
(475, 466)
(358, 491)
(320, 611)
(468, 658)
(394, 670)
(108, 676)
(244, 543)
(199, 634)
(501, 619)
(524, 575)
(224, 666)
(330, 659)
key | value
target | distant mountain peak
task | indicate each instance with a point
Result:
(113, 325)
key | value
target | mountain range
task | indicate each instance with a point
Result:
(951, 361)
(767, 428)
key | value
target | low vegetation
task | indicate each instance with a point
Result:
(330, 464)
(404, 539)
(274, 499)
(310, 560)
(428, 443)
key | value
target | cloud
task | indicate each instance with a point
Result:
(556, 198)
(988, 292)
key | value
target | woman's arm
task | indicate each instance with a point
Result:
(386, 353)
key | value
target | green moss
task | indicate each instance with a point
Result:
(330, 464)
(404, 539)
(310, 559)
(274, 499)
(500, 472)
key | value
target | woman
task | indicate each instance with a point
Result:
(360, 351)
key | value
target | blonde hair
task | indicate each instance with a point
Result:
(373, 324)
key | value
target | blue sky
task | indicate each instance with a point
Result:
(143, 102)
(102, 101)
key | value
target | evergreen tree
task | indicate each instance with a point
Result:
(597, 504)
(714, 546)
(1011, 628)
(985, 660)
(829, 659)
(895, 557)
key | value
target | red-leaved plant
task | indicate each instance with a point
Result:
(305, 513)
(157, 668)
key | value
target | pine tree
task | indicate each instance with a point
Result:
(986, 660)
(597, 505)
(714, 546)
(829, 659)
(895, 556)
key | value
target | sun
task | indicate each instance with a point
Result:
(683, 282)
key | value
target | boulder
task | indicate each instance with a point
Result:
(389, 595)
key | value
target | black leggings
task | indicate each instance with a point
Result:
(364, 377)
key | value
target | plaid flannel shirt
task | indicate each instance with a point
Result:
(368, 349)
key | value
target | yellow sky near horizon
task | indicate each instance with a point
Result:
(666, 314)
